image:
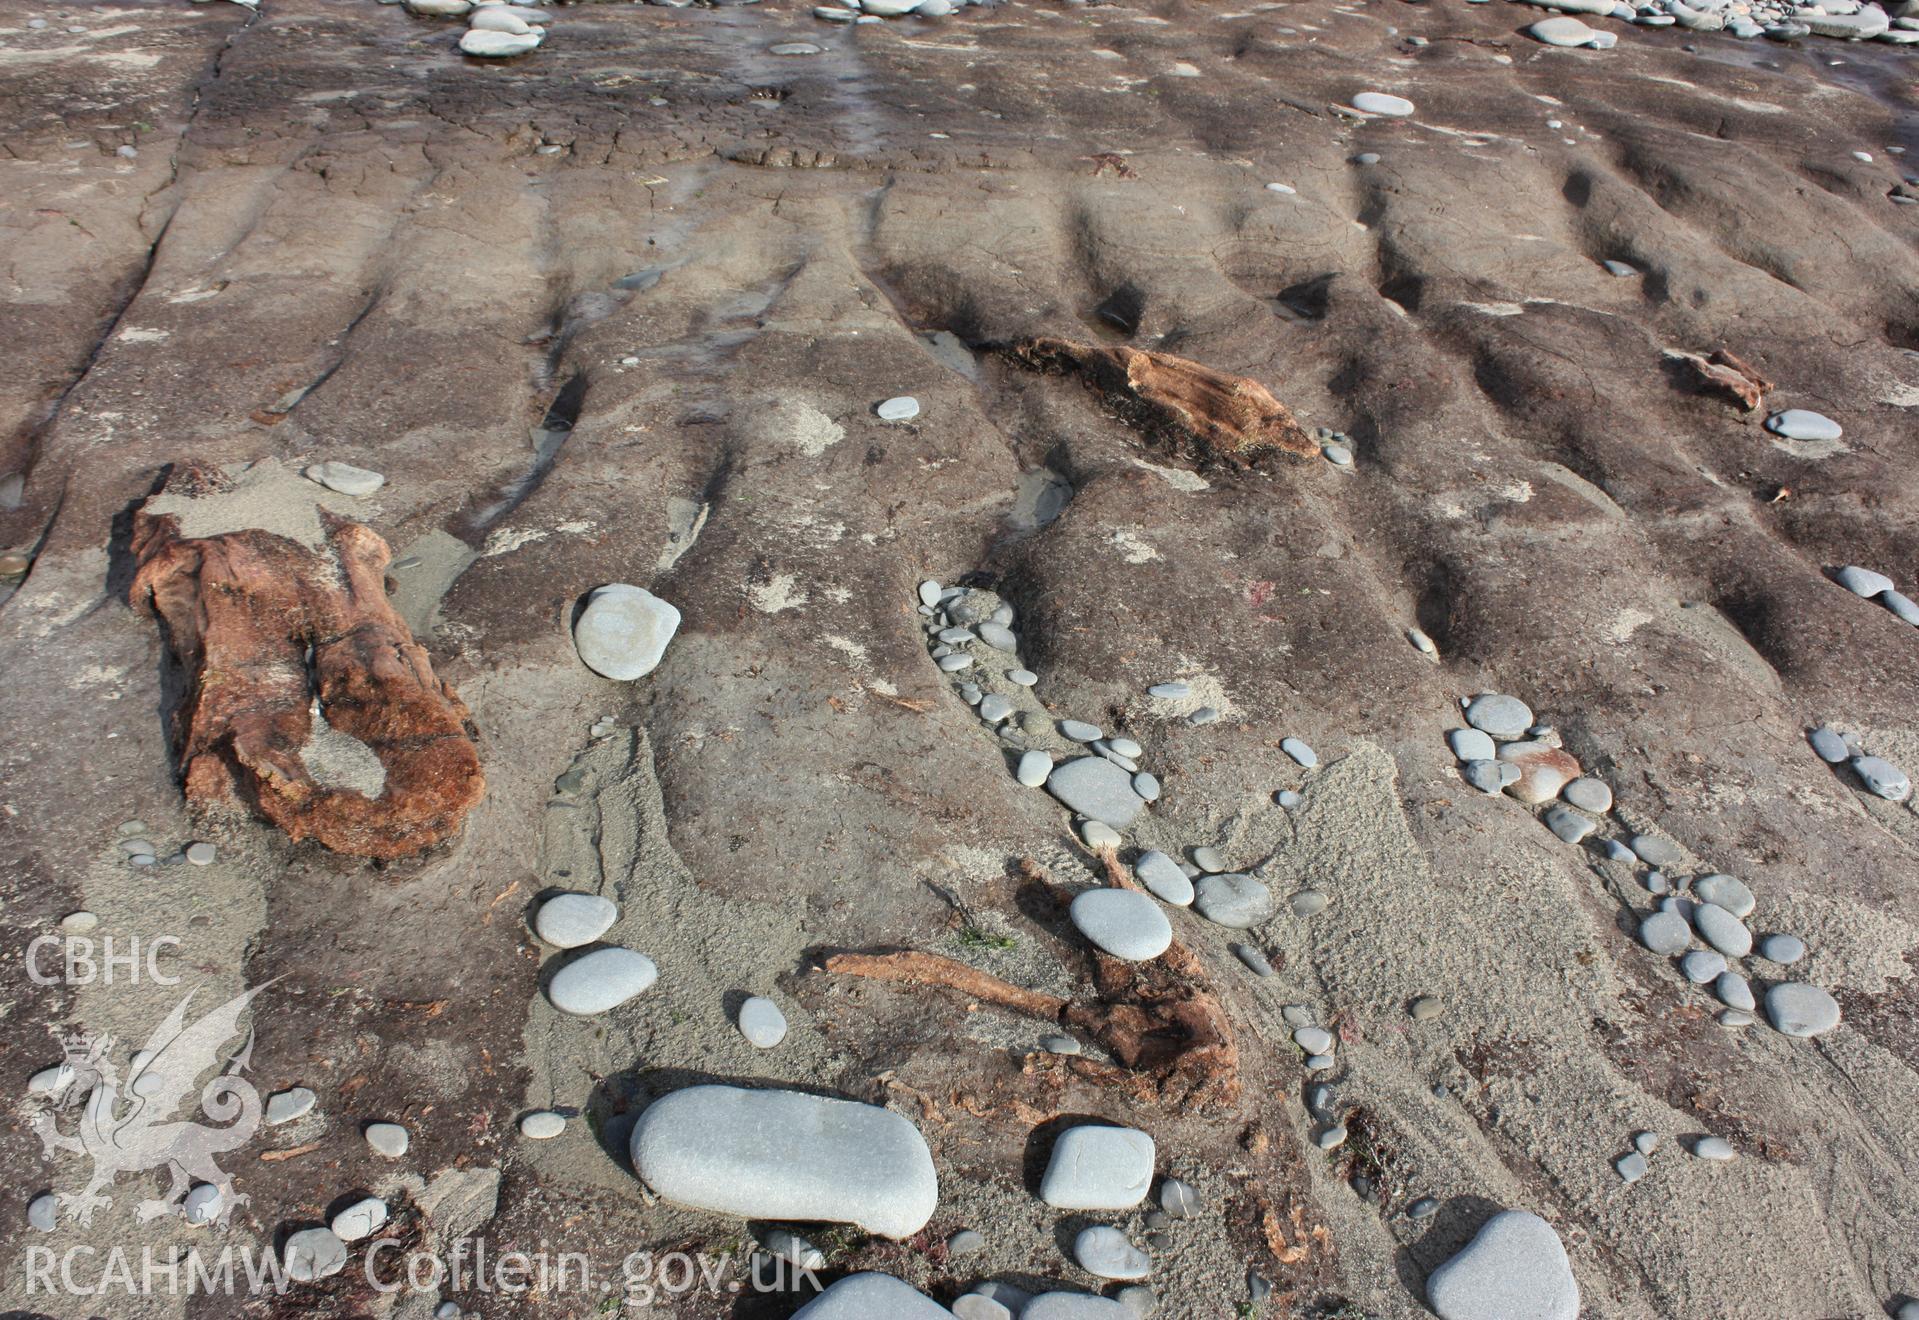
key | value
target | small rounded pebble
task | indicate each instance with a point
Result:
(1472, 745)
(966, 1242)
(388, 1139)
(1098, 834)
(1631, 1167)
(1209, 860)
(1734, 991)
(1337, 455)
(1287, 798)
(1665, 933)
(1426, 1007)
(904, 408)
(1059, 1044)
(1735, 1017)
(1421, 642)
(1882, 778)
(1204, 715)
(1023, 677)
(43, 1213)
(570, 921)
(762, 1022)
(1308, 903)
(1178, 1199)
(1424, 1208)
(952, 664)
(1103, 1251)
(1034, 767)
(285, 1106)
(1713, 1148)
(1702, 965)
(1383, 103)
(785, 1244)
(201, 854)
(314, 1253)
(1725, 891)
(79, 923)
(1139, 1300)
(1147, 786)
(137, 847)
(1314, 1040)
(1722, 930)
(1331, 1138)
(1829, 746)
(995, 708)
(1782, 949)
(1655, 851)
(1080, 731)
(1122, 922)
(1645, 1142)
(1589, 794)
(1126, 747)
(1804, 424)
(202, 1204)
(1797, 1009)
(1299, 751)
(1255, 960)
(1170, 691)
(361, 1219)
(929, 592)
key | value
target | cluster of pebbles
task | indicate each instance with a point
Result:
(496, 29)
(1877, 775)
(1878, 587)
(1701, 921)
(1780, 20)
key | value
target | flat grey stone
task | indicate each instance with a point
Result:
(970, 693)
(285, 1106)
(1299, 751)
(1163, 878)
(1882, 778)
(542, 1125)
(1313, 1040)
(872, 1297)
(956, 636)
(1565, 31)
(389, 1139)
(344, 477)
(1421, 642)
(1621, 269)
(1569, 825)
(1209, 860)
(361, 1219)
(1034, 767)
(202, 1204)
(1901, 606)
(784, 1155)
(1308, 903)
(1722, 930)
(1096, 788)
(1862, 581)
(624, 631)
(1426, 1007)
(1803, 424)
(1255, 960)
(1589, 794)
(1616, 851)
(1126, 747)
(1734, 1017)
(1782, 949)
(1665, 933)
(1514, 1269)
(1487, 776)
(1727, 891)
(965, 1243)
(1472, 745)
(995, 708)
(43, 1213)
(972, 1306)
(953, 664)
(762, 1022)
(1139, 1300)
(1717, 1149)
(1702, 965)
(1297, 1015)
(1646, 1143)
(1204, 715)
(1287, 798)
(1500, 716)
(568, 921)
(1098, 834)
(1147, 786)
(201, 853)
(930, 592)
(1073, 1306)
(600, 981)
(1424, 1208)
(1095, 1166)
(1331, 1138)
(1632, 1167)
(784, 1244)
(1655, 851)
(1122, 922)
(904, 408)
(1170, 691)
(1734, 991)
(1797, 1009)
(997, 636)
(1059, 1045)
(1234, 901)
(1178, 1199)
(1080, 731)
(1023, 677)
(1383, 103)
(314, 1253)
(1104, 1251)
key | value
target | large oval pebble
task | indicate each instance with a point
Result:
(568, 921)
(602, 980)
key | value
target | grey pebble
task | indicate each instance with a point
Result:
(976, 1306)
(1734, 991)
(1501, 716)
(1234, 901)
(956, 636)
(1727, 891)
(1178, 1199)
(971, 694)
(1125, 747)
(1589, 794)
(1209, 860)
(1204, 715)
(1713, 1148)
(1797, 1009)
(1098, 789)
(1702, 965)
(201, 854)
(964, 1243)
(1163, 878)
(1657, 883)
(1299, 751)
(389, 1139)
(1903, 609)
(1314, 1040)
(1859, 581)
(1421, 641)
(1665, 933)
(952, 664)
(1147, 786)
(1734, 1017)
(1318, 1062)
(1782, 949)
(1254, 959)
(1034, 767)
(998, 637)
(43, 1213)
(541, 1125)
(1486, 776)
(1023, 677)
(1426, 1007)
(902, 409)
(1882, 778)
(1570, 826)
(1308, 903)
(1722, 930)
(1424, 1208)
(137, 847)
(1138, 1299)
(1655, 851)
(995, 708)
(1472, 745)
(1646, 1143)
(1805, 424)
(1331, 1138)
(1170, 691)
(1059, 1044)
(762, 1022)
(1079, 730)
(285, 1106)
(1287, 798)
(1616, 851)
(1631, 1167)
(1104, 1251)
(1830, 747)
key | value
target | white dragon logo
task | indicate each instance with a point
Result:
(137, 1131)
